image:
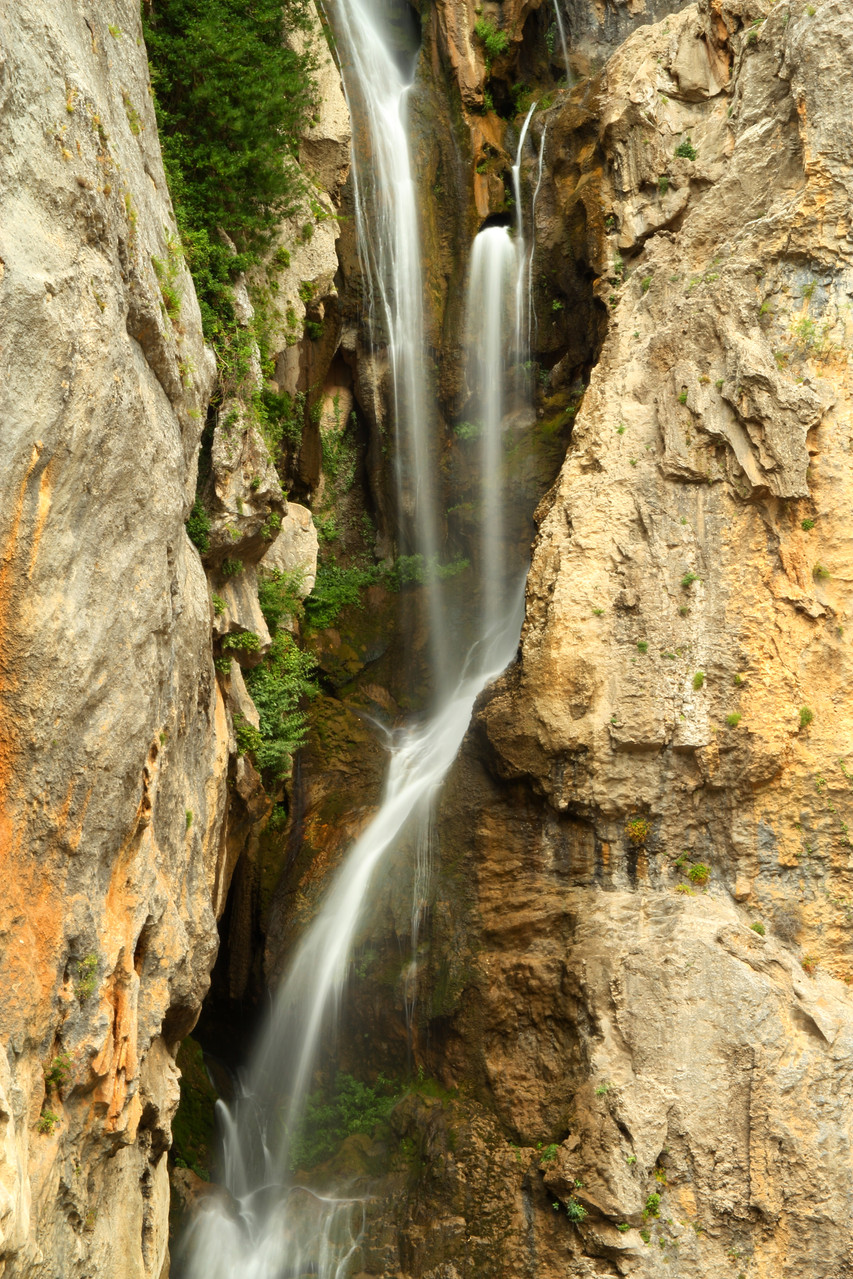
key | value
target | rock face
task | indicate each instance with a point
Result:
(641, 954)
(115, 737)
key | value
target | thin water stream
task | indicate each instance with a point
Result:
(268, 1226)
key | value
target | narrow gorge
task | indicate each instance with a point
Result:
(425, 597)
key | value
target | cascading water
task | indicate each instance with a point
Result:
(494, 276)
(272, 1227)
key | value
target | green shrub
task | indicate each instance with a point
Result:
(685, 150)
(758, 928)
(188, 818)
(646, 283)
(807, 526)
(699, 873)
(642, 646)
(576, 1211)
(806, 716)
(623, 1227)
(336, 588)
(87, 977)
(494, 41)
(688, 579)
(249, 740)
(48, 1121)
(277, 687)
(663, 183)
(57, 1072)
(698, 680)
(232, 99)
(334, 1114)
(734, 719)
(820, 574)
(243, 642)
(231, 568)
(652, 1208)
(638, 830)
(279, 598)
(198, 527)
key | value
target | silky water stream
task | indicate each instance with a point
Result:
(268, 1226)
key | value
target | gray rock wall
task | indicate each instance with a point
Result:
(112, 769)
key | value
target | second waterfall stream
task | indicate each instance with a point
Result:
(269, 1226)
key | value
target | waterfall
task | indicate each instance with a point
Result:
(564, 48)
(268, 1226)
(377, 79)
(496, 273)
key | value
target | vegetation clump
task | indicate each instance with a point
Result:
(278, 687)
(494, 41)
(638, 830)
(333, 1114)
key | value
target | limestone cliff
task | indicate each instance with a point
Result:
(115, 739)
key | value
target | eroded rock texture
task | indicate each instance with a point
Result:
(112, 773)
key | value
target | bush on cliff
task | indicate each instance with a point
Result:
(231, 100)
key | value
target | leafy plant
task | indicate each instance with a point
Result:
(652, 1208)
(348, 1107)
(638, 830)
(623, 1227)
(494, 41)
(806, 716)
(759, 928)
(188, 818)
(733, 719)
(686, 150)
(549, 1154)
(646, 283)
(87, 977)
(57, 1072)
(807, 525)
(198, 527)
(576, 1211)
(242, 641)
(663, 183)
(219, 605)
(231, 568)
(642, 646)
(699, 874)
(698, 680)
(336, 588)
(277, 688)
(820, 574)
(48, 1121)
(688, 579)
(232, 99)
(279, 598)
